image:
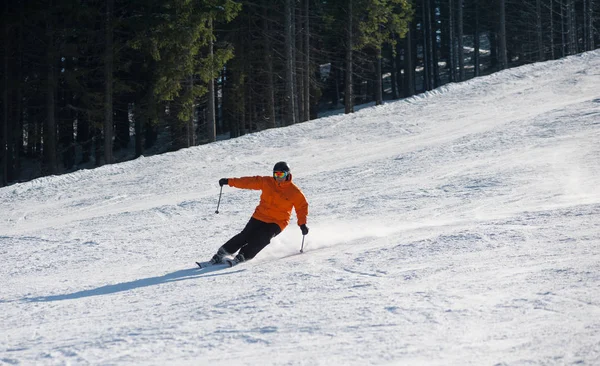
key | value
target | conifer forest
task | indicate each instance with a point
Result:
(95, 82)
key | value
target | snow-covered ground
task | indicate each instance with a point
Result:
(460, 227)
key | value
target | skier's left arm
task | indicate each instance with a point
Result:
(301, 207)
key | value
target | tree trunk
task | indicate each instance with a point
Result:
(459, 38)
(296, 88)
(211, 121)
(150, 132)
(307, 68)
(65, 121)
(51, 166)
(337, 93)
(586, 15)
(268, 58)
(435, 78)
(477, 43)
(19, 105)
(50, 162)
(4, 132)
(539, 31)
(121, 123)
(84, 137)
(139, 133)
(349, 94)
(590, 26)
(290, 110)
(502, 53)
(427, 66)
(395, 78)
(409, 65)
(378, 81)
(98, 142)
(451, 43)
(572, 28)
(564, 29)
(299, 62)
(108, 85)
(552, 50)
(190, 130)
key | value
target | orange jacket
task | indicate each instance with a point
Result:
(276, 200)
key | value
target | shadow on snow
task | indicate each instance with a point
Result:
(184, 274)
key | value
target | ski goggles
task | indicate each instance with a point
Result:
(280, 175)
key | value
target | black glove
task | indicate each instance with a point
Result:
(223, 182)
(304, 229)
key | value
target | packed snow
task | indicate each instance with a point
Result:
(457, 227)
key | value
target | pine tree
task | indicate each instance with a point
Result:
(384, 19)
(177, 37)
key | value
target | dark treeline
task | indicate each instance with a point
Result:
(87, 83)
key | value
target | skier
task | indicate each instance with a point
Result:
(271, 216)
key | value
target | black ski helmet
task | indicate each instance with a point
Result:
(281, 166)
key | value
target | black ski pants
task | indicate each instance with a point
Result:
(255, 236)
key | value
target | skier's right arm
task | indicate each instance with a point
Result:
(247, 182)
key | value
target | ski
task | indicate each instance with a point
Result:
(228, 263)
(204, 264)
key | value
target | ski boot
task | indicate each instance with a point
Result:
(218, 258)
(239, 258)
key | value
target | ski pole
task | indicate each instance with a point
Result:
(302, 248)
(219, 203)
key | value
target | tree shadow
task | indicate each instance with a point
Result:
(181, 275)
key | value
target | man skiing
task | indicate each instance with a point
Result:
(271, 216)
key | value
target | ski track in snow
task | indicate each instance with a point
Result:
(457, 227)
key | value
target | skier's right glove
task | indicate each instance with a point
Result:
(223, 182)
(304, 229)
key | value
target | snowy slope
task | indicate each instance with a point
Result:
(459, 227)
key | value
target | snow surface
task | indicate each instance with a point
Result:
(459, 227)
